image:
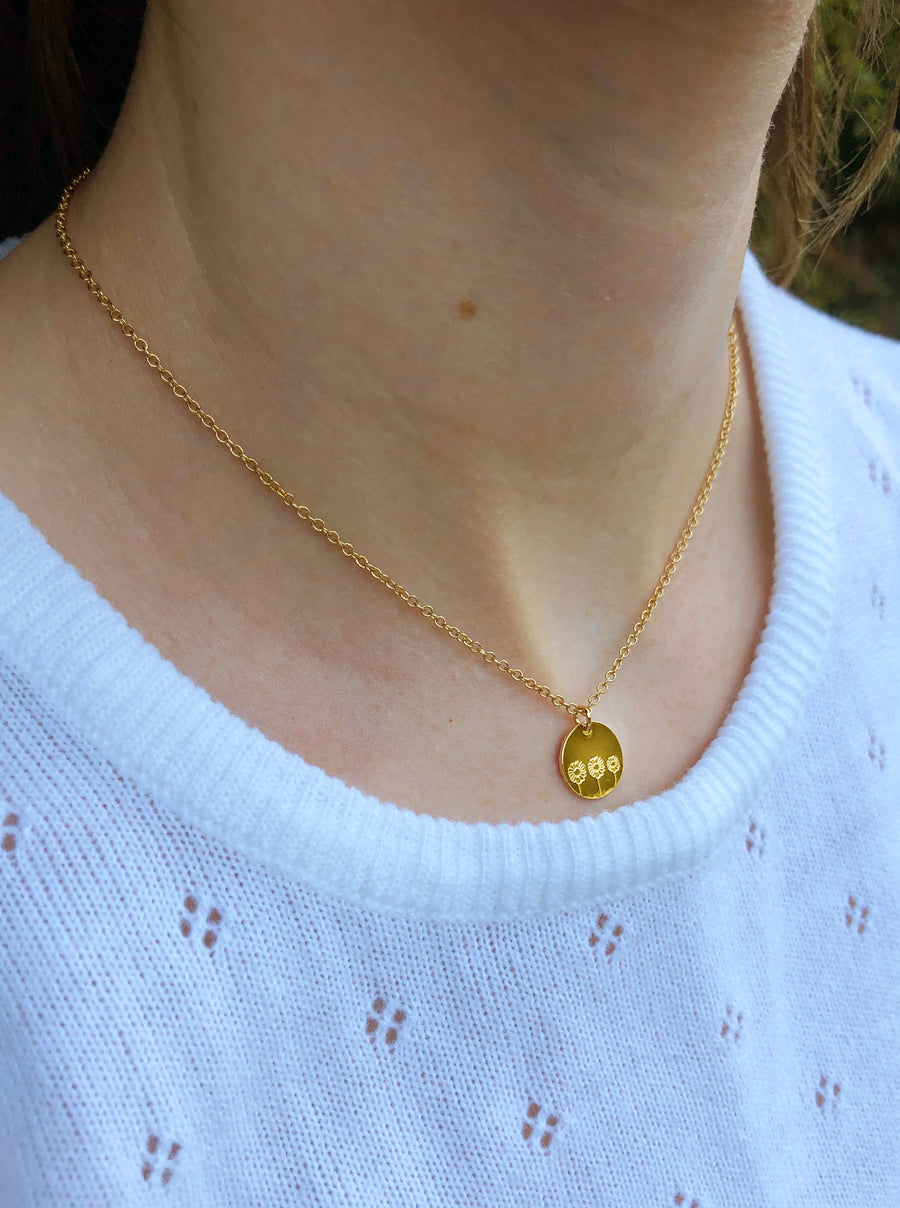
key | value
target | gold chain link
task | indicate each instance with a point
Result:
(320, 526)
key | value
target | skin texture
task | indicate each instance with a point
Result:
(460, 275)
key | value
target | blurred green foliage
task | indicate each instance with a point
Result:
(857, 278)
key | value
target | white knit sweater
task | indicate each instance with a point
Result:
(229, 979)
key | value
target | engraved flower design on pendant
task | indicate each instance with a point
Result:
(590, 761)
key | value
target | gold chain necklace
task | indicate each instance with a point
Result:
(590, 756)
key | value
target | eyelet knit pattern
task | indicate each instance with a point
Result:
(230, 979)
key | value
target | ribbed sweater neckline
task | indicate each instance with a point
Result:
(206, 765)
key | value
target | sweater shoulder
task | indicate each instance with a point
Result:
(851, 368)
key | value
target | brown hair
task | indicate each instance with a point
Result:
(64, 68)
(65, 65)
(807, 195)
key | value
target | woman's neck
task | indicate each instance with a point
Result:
(459, 273)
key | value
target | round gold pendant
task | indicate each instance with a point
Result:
(590, 760)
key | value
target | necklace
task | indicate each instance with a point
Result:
(590, 756)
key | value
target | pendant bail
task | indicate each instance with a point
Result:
(586, 724)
